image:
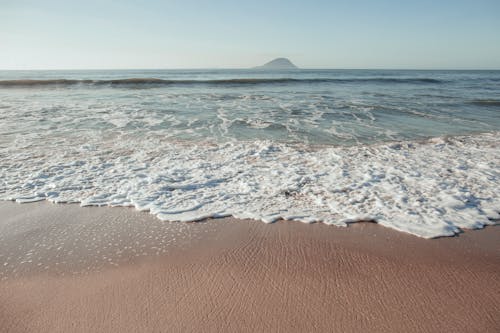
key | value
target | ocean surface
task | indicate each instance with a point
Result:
(417, 151)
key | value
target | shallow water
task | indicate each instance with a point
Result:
(311, 145)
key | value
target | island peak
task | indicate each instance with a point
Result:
(278, 63)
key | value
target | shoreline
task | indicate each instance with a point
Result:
(239, 275)
(428, 190)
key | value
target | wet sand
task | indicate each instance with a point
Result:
(73, 269)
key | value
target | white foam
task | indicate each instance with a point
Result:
(429, 189)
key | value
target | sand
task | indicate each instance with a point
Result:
(118, 270)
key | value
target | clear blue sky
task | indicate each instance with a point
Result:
(56, 34)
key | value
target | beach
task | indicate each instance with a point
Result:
(242, 200)
(116, 269)
(218, 166)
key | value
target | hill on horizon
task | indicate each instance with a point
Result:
(278, 63)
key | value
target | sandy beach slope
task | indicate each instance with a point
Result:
(70, 269)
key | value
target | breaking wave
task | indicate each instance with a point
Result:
(239, 81)
(486, 102)
(429, 189)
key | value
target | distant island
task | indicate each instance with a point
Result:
(278, 63)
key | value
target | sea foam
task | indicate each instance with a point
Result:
(426, 188)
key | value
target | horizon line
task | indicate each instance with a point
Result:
(252, 68)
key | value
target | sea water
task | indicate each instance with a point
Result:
(416, 151)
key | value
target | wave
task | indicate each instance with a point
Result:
(432, 188)
(239, 81)
(486, 102)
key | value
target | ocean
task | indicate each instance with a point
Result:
(416, 151)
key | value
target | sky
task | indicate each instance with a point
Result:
(105, 34)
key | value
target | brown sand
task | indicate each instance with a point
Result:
(242, 276)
